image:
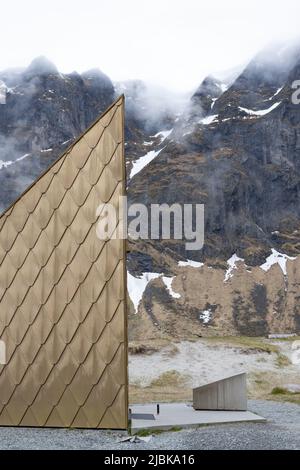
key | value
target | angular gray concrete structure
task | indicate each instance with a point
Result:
(229, 393)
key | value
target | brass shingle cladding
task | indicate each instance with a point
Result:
(62, 291)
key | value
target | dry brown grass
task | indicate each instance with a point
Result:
(170, 378)
(264, 385)
(168, 387)
(153, 346)
(257, 344)
(158, 394)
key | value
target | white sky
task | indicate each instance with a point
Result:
(174, 43)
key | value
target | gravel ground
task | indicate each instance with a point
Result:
(282, 431)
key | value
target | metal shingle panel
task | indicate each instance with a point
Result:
(62, 291)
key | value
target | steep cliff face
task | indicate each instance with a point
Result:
(42, 111)
(240, 159)
(237, 152)
(207, 94)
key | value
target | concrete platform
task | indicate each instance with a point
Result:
(182, 415)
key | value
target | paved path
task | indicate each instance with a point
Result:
(182, 415)
(282, 431)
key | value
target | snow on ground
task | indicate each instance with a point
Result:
(193, 264)
(163, 134)
(205, 316)
(23, 156)
(208, 119)
(136, 286)
(261, 112)
(10, 162)
(5, 164)
(231, 266)
(276, 258)
(168, 283)
(275, 94)
(141, 162)
(223, 87)
(148, 143)
(213, 102)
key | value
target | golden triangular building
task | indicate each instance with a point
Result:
(62, 291)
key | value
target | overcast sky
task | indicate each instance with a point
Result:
(174, 43)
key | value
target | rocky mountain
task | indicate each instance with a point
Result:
(240, 159)
(236, 150)
(234, 147)
(43, 112)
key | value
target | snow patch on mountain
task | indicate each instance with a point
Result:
(261, 112)
(205, 316)
(275, 94)
(191, 263)
(208, 119)
(23, 156)
(10, 162)
(168, 283)
(5, 164)
(213, 102)
(277, 258)
(148, 143)
(163, 134)
(231, 262)
(141, 162)
(136, 286)
(223, 87)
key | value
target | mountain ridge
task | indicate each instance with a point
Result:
(234, 148)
